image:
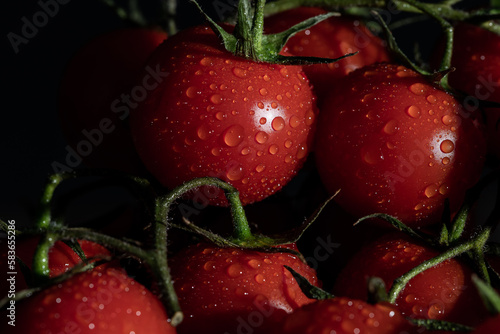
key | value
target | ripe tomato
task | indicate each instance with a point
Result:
(343, 315)
(234, 290)
(61, 258)
(106, 301)
(218, 115)
(96, 95)
(476, 55)
(443, 292)
(331, 38)
(394, 143)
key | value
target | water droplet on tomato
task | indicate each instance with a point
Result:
(260, 168)
(274, 105)
(233, 135)
(254, 263)
(444, 189)
(216, 99)
(417, 88)
(261, 137)
(302, 151)
(431, 190)
(288, 158)
(431, 99)
(235, 173)
(234, 270)
(250, 88)
(410, 299)
(259, 278)
(240, 72)
(435, 311)
(202, 132)
(294, 121)
(263, 91)
(288, 143)
(191, 92)
(447, 146)
(447, 119)
(445, 160)
(216, 151)
(213, 86)
(206, 61)
(279, 97)
(391, 127)
(309, 118)
(209, 265)
(273, 149)
(413, 111)
(284, 72)
(278, 123)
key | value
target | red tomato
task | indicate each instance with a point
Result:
(443, 292)
(95, 302)
(343, 315)
(476, 55)
(235, 290)
(394, 143)
(218, 115)
(331, 38)
(96, 95)
(61, 258)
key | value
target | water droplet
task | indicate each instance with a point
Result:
(263, 91)
(209, 265)
(199, 72)
(431, 190)
(391, 127)
(219, 115)
(250, 88)
(419, 207)
(279, 97)
(259, 278)
(234, 270)
(368, 98)
(413, 111)
(261, 137)
(288, 158)
(278, 124)
(410, 298)
(254, 264)
(213, 86)
(273, 149)
(294, 121)
(216, 99)
(445, 160)
(447, 120)
(288, 143)
(274, 105)
(447, 146)
(435, 311)
(296, 88)
(223, 87)
(371, 115)
(240, 72)
(202, 132)
(245, 151)
(431, 99)
(284, 72)
(191, 92)
(404, 73)
(233, 135)
(216, 151)
(206, 61)
(260, 168)
(444, 189)
(309, 118)
(417, 88)
(235, 173)
(302, 151)
(266, 77)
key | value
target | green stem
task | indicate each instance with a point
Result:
(400, 283)
(258, 24)
(45, 202)
(40, 266)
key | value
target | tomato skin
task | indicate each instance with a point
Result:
(93, 93)
(106, 301)
(444, 292)
(330, 38)
(342, 315)
(476, 55)
(395, 144)
(223, 289)
(218, 115)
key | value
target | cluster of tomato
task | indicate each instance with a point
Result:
(381, 136)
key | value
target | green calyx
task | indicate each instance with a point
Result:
(249, 41)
